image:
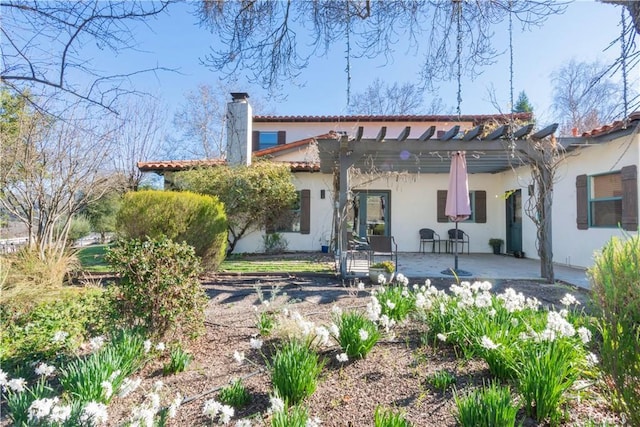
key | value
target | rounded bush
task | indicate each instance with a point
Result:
(159, 286)
(197, 220)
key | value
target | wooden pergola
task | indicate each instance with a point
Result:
(491, 153)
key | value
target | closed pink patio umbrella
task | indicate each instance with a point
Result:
(458, 207)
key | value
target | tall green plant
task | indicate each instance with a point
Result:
(199, 221)
(294, 372)
(616, 292)
(159, 285)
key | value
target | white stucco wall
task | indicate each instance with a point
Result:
(571, 246)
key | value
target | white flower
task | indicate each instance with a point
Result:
(381, 279)
(160, 347)
(335, 331)
(323, 334)
(277, 404)
(483, 299)
(512, 301)
(143, 415)
(238, 356)
(485, 286)
(154, 400)
(175, 404)
(568, 300)
(266, 303)
(211, 408)
(255, 343)
(363, 334)
(492, 312)
(592, 359)
(387, 322)
(128, 386)
(285, 311)
(94, 413)
(3, 378)
(96, 343)
(559, 325)
(315, 422)
(342, 357)
(17, 384)
(107, 389)
(226, 412)
(584, 334)
(487, 343)
(59, 336)
(442, 337)
(243, 423)
(45, 370)
(60, 413)
(374, 309)
(402, 279)
(40, 408)
(390, 304)
(336, 310)
(147, 346)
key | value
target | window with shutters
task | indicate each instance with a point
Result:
(608, 200)
(297, 219)
(267, 140)
(605, 200)
(477, 200)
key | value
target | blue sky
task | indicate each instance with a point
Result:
(176, 41)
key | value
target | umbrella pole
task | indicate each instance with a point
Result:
(455, 251)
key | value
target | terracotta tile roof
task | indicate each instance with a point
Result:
(180, 165)
(613, 127)
(476, 119)
(294, 144)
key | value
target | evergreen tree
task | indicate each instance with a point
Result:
(522, 104)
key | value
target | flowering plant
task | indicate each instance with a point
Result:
(387, 266)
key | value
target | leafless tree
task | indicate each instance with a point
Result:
(274, 40)
(381, 98)
(201, 120)
(584, 98)
(43, 46)
(138, 136)
(56, 171)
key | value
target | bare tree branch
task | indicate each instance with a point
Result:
(42, 44)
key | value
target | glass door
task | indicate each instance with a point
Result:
(369, 213)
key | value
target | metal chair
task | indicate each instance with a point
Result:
(427, 235)
(462, 239)
(383, 246)
(357, 250)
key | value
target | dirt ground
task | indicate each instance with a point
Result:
(392, 375)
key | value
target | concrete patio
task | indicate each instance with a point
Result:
(481, 266)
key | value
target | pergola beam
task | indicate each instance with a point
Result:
(381, 134)
(523, 131)
(543, 133)
(427, 134)
(404, 134)
(473, 133)
(359, 133)
(450, 133)
(498, 133)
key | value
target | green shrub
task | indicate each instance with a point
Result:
(616, 292)
(296, 416)
(274, 243)
(395, 301)
(80, 227)
(159, 286)
(28, 331)
(199, 221)
(294, 372)
(490, 407)
(29, 274)
(441, 380)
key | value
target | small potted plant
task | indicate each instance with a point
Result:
(496, 244)
(384, 268)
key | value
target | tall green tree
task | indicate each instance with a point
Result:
(523, 105)
(252, 195)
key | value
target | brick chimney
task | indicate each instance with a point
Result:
(239, 129)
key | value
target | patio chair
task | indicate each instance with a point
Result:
(357, 249)
(463, 239)
(427, 235)
(383, 246)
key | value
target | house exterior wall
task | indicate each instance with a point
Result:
(571, 246)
